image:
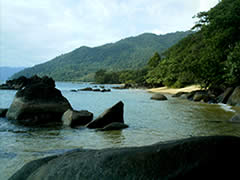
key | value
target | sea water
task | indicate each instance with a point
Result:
(149, 122)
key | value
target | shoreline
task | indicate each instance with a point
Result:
(167, 90)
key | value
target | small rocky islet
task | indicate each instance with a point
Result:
(38, 102)
(41, 103)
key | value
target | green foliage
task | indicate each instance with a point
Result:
(154, 61)
(232, 66)
(82, 63)
(104, 77)
(209, 57)
(135, 77)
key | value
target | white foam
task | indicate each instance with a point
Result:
(226, 107)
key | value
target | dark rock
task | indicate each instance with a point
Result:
(179, 94)
(113, 114)
(105, 90)
(73, 90)
(39, 103)
(76, 118)
(201, 96)
(86, 89)
(114, 126)
(234, 99)
(96, 90)
(235, 118)
(159, 97)
(213, 157)
(223, 98)
(184, 96)
(3, 112)
(21, 82)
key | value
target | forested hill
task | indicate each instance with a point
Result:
(82, 63)
(210, 57)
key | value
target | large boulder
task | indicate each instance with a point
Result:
(113, 114)
(234, 99)
(38, 103)
(74, 118)
(214, 157)
(159, 97)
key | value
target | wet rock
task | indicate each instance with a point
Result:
(159, 97)
(213, 157)
(184, 96)
(86, 89)
(113, 114)
(235, 118)
(105, 90)
(38, 103)
(201, 96)
(74, 118)
(234, 99)
(223, 98)
(96, 90)
(114, 126)
(3, 112)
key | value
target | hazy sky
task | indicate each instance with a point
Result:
(34, 31)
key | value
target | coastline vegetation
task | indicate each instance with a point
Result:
(210, 57)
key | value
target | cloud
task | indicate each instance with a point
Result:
(32, 32)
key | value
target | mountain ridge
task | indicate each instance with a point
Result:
(128, 53)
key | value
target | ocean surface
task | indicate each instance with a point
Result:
(149, 122)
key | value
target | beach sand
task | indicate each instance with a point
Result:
(167, 90)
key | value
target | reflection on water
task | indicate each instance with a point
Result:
(150, 122)
(116, 138)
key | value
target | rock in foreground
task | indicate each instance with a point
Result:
(38, 103)
(213, 157)
(74, 118)
(113, 114)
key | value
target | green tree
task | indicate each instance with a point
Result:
(154, 61)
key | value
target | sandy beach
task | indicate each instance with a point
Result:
(167, 90)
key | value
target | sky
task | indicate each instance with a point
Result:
(35, 31)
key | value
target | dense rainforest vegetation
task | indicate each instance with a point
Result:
(210, 57)
(82, 63)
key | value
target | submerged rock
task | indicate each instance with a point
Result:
(74, 118)
(234, 99)
(113, 114)
(159, 97)
(235, 118)
(213, 157)
(38, 103)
